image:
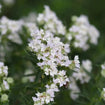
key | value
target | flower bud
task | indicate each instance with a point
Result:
(10, 80)
(4, 97)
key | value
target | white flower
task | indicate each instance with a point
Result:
(8, 2)
(87, 65)
(51, 53)
(103, 70)
(31, 26)
(6, 85)
(81, 74)
(14, 37)
(74, 94)
(50, 21)
(61, 78)
(94, 34)
(77, 63)
(11, 28)
(103, 66)
(3, 69)
(12, 25)
(5, 81)
(82, 32)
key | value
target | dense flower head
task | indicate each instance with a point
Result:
(50, 50)
(61, 79)
(83, 32)
(51, 53)
(50, 21)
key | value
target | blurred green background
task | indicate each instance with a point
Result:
(64, 9)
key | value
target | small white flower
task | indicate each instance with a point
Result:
(76, 61)
(3, 69)
(5, 83)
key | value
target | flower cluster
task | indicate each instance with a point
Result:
(50, 22)
(82, 75)
(82, 32)
(46, 97)
(10, 28)
(51, 53)
(5, 83)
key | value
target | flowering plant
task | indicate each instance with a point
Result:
(47, 60)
